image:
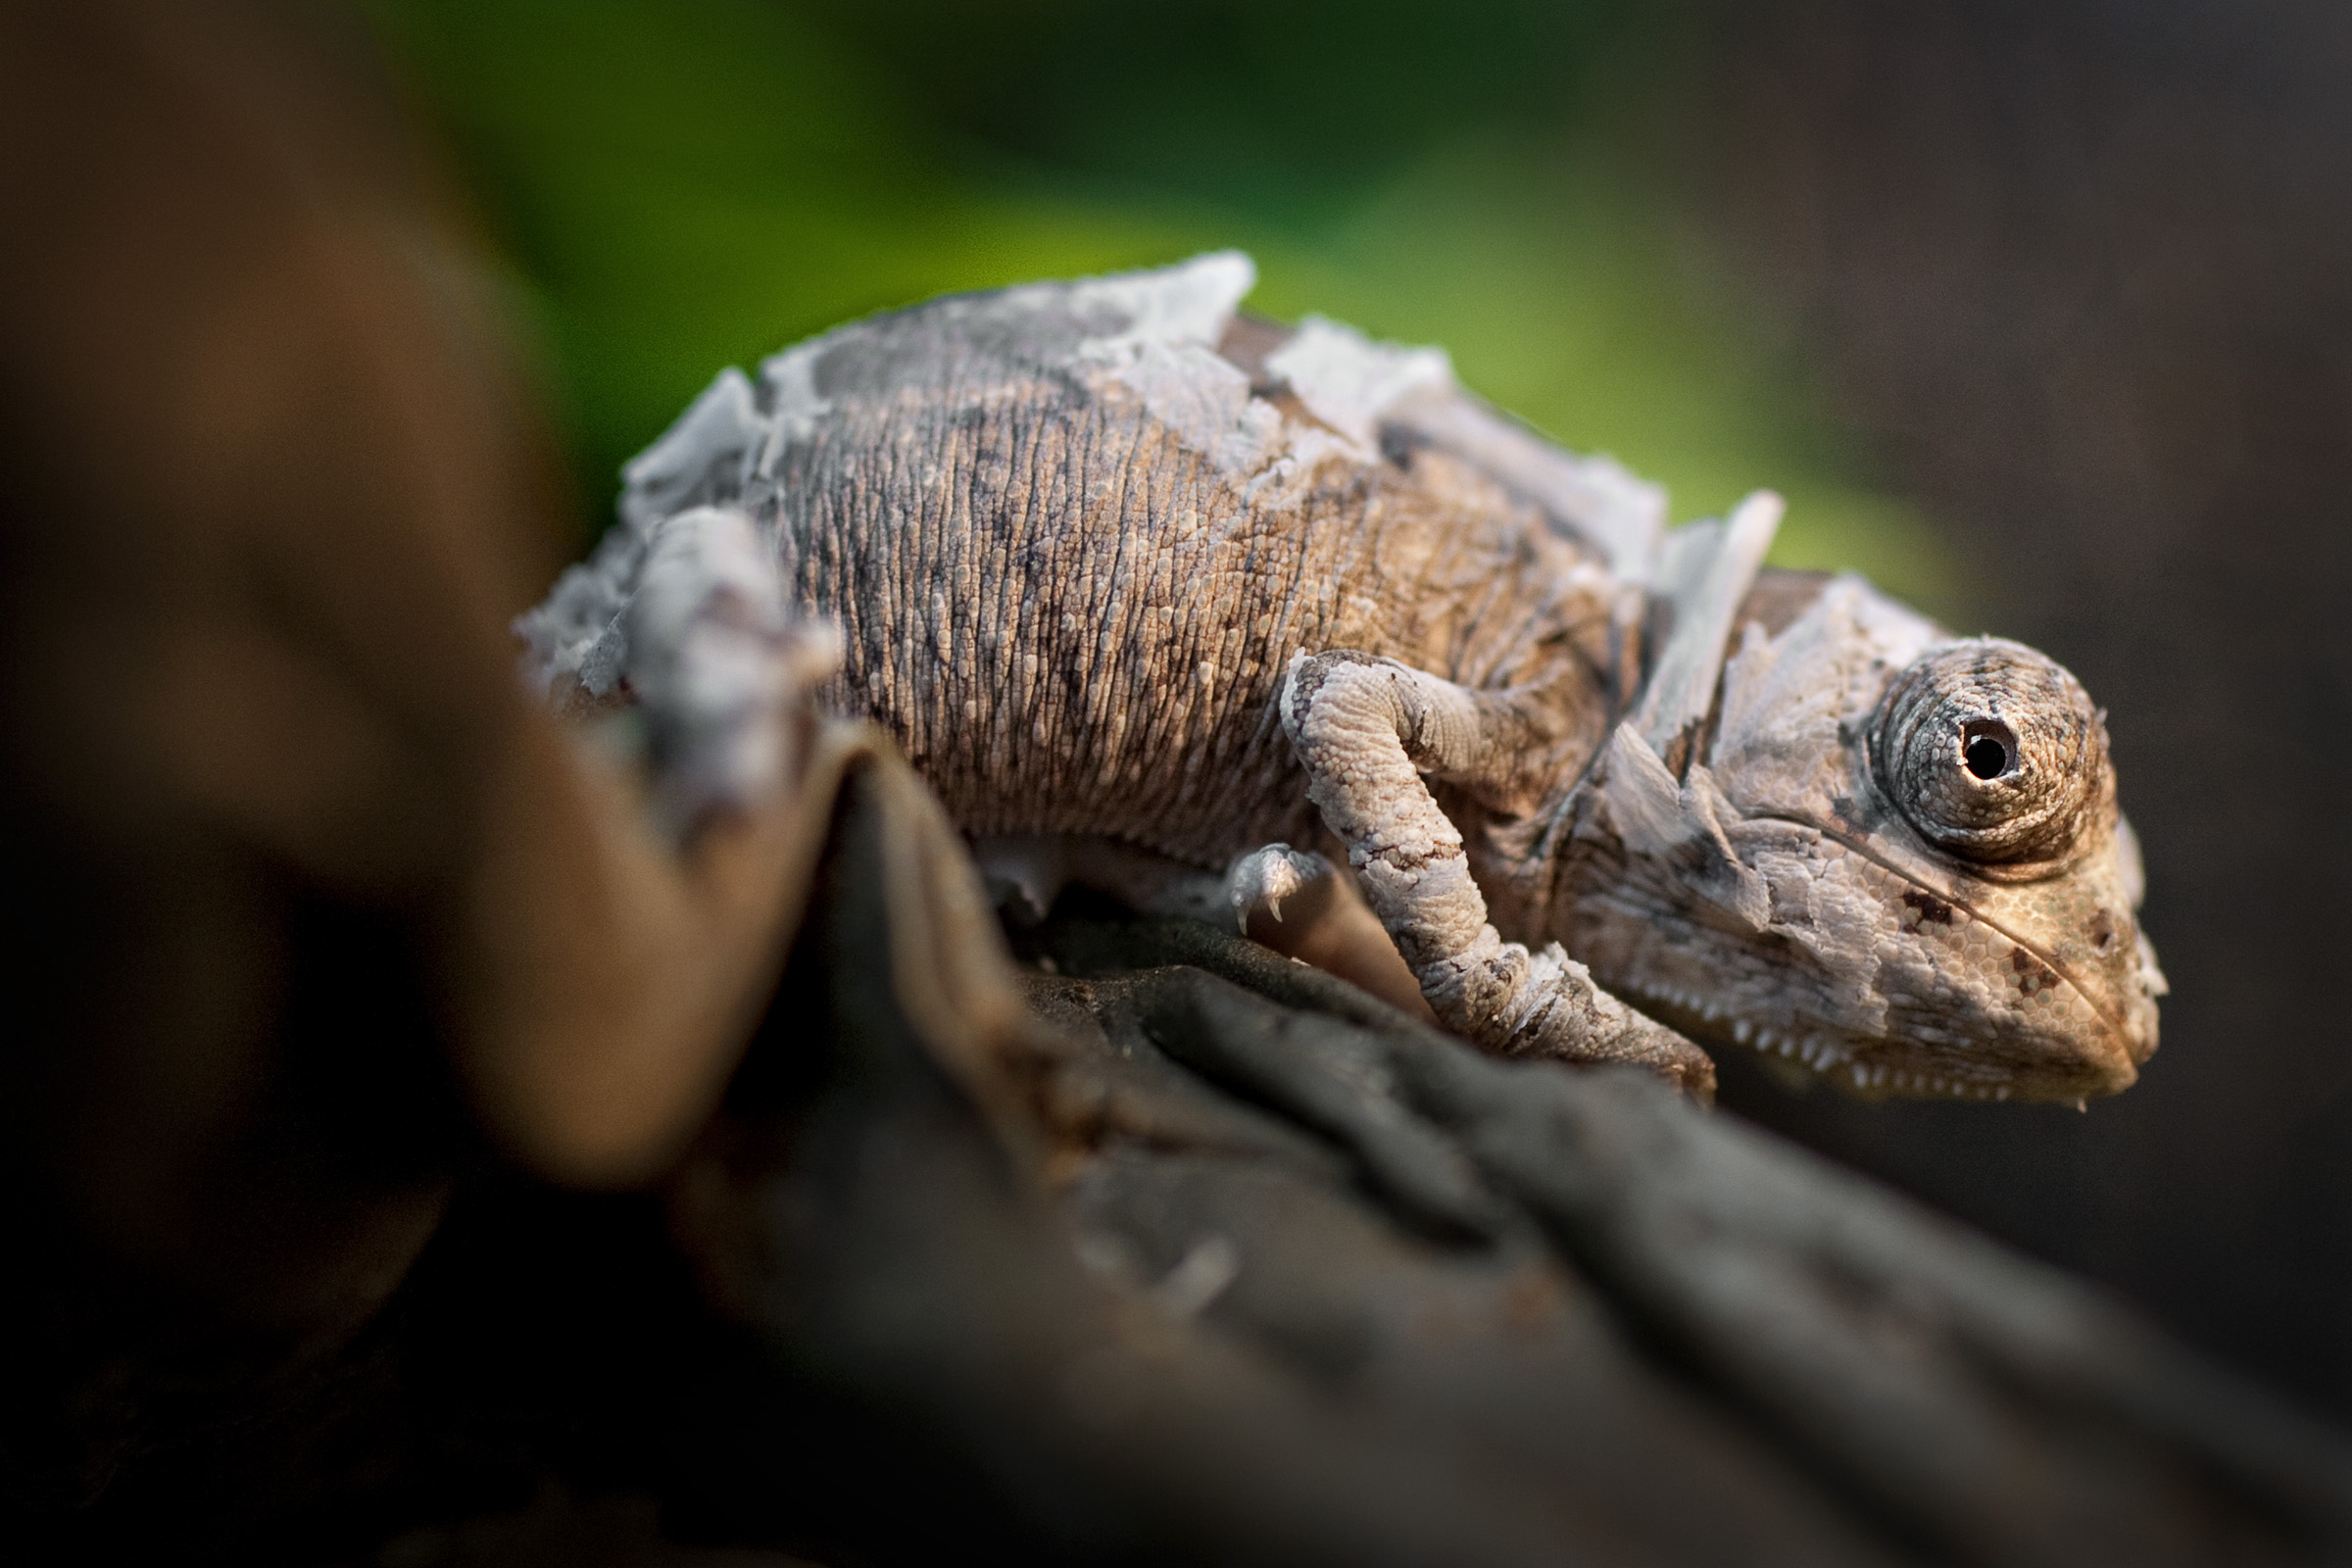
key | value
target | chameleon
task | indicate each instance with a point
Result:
(1164, 596)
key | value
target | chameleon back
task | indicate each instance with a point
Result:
(1073, 535)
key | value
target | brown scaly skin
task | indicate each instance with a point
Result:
(1116, 563)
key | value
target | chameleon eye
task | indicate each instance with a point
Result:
(1991, 750)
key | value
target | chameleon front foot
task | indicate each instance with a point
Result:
(1365, 730)
(1517, 1003)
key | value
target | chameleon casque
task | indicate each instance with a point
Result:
(1149, 590)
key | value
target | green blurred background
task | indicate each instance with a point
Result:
(676, 185)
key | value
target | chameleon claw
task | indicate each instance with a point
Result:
(1265, 878)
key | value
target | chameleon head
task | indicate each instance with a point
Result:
(1895, 859)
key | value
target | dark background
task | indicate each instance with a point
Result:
(2081, 274)
(2039, 313)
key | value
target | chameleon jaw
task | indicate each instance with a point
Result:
(1834, 960)
(1902, 1070)
(2124, 1047)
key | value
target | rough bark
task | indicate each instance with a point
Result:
(1220, 1259)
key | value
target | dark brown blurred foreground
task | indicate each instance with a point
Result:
(333, 964)
(308, 905)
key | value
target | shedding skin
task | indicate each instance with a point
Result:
(1151, 592)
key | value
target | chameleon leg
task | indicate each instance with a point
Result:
(716, 660)
(1366, 730)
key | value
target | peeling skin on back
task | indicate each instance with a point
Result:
(1075, 538)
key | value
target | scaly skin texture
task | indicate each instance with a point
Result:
(1084, 632)
(1115, 562)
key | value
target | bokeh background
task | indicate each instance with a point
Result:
(2039, 314)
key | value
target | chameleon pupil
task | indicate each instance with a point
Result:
(1988, 758)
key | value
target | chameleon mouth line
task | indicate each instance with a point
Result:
(2113, 1024)
(1818, 1053)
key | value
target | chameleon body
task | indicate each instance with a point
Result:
(1116, 564)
